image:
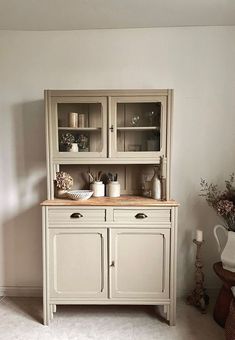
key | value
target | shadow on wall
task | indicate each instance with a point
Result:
(22, 255)
(198, 215)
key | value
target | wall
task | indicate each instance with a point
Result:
(198, 63)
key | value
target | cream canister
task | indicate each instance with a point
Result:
(98, 188)
(113, 189)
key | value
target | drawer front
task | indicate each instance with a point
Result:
(75, 216)
(142, 215)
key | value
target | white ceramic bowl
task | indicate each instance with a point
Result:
(79, 194)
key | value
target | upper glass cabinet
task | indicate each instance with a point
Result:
(138, 126)
(108, 126)
(79, 127)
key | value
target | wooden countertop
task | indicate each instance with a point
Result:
(111, 201)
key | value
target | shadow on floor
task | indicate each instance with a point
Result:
(30, 307)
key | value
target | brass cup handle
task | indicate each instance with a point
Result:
(141, 216)
(76, 215)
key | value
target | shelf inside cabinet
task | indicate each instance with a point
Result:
(63, 128)
(138, 128)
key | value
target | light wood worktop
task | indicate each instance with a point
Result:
(110, 201)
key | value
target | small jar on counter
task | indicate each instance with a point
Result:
(98, 188)
(113, 189)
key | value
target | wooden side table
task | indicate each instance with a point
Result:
(225, 296)
(230, 322)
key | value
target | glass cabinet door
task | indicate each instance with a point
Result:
(79, 127)
(138, 126)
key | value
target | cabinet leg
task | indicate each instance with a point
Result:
(172, 313)
(51, 312)
(167, 312)
(54, 308)
(46, 314)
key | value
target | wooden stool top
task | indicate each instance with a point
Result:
(225, 275)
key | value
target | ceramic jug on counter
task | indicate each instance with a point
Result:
(156, 185)
(98, 188)
(113, 189)
(228, 252)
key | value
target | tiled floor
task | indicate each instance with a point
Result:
(20, 319)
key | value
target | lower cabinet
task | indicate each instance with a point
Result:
(109, 262)
(138, 263)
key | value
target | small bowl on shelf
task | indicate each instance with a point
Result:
(79, 195)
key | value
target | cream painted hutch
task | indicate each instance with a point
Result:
(110, 250)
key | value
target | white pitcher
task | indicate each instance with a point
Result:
(228, 253)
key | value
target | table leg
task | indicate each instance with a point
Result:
(222, 305)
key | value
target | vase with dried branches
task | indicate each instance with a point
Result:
(64, 182)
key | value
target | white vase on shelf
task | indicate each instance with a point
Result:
(74, 147)
(227, 254)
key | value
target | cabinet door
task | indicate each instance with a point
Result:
(78, 120)
(139, 263)
(77, 263)
(138, 127)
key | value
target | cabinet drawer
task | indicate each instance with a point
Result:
(75, 216)
(142, 215)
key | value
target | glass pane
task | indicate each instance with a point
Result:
(138, 127)
(80, 127)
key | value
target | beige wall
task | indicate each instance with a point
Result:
(198, 63)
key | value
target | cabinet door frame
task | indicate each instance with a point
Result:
(113, 290)
(53, 128)
(113, 152)
(54, 293)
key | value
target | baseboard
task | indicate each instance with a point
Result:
(28, 291)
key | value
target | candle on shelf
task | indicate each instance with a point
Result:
(199, 235)
(73, 119)
(81, 120)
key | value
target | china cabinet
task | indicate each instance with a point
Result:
(120, 125)
(109, 250)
